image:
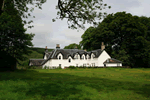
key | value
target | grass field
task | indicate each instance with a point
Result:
(76, 84)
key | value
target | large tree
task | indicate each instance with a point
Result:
(73, 46)
(126, 37)
(14, 42)
(88, 39)
(78, 12)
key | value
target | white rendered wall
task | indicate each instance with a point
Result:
(45, 57)
(113, 65)
(74, 62)
(103, 57)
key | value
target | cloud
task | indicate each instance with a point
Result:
(48, 33)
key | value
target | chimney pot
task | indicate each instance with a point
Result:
(46, 50)
(102, 46)
(57, 46)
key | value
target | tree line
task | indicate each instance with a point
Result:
(126, 37)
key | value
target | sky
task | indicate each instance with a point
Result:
(48, 33)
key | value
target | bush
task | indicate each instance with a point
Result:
(45, 67)
(89, 67)
(72, 67)
(59, 67)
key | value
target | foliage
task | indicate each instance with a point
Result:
(72, 67)
(40, 50)
(73, 46)
(21, 7)
(88, 38)
(76, 11)
(14, 41)
(126, 38)
(80, 84)
(45, 67)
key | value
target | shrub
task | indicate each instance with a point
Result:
(72, 67)
(89, 67)
(59, 67)
(45, 67)
(81, 66)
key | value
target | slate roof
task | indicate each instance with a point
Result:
(36, 62)
(112, 60)
(71, 52)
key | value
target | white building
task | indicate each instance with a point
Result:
(76, 57)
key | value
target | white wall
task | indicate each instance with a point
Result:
(45, 57)
(65, 62)
(102, 58)
(113, 65)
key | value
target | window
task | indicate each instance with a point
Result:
(59, 65)
(69, 60)
(87, 56)
(77, 56)
(93, 64)
(82, 57)
(118, 64)
(59, 57)
(92, 56)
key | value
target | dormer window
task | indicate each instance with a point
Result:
(87, 56)
(76, 56)
(59, 57)
(82, 57)
(69, 60)
(93, 56)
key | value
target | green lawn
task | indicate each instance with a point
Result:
(76, 84)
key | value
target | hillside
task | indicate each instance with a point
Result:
(37, 53)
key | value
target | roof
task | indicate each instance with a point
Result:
(36, 62)
(112, 60)
(70, 52)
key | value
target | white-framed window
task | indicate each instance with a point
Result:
(76, 56)
(59, 57)
(59, 65)
(92, 56)
(69, 60)
(84, 64)
(118, 64)
(87, 56)
(93, 64)
(82, 57)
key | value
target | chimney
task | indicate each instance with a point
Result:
(102, 46)
(57, 46)
(46, 50)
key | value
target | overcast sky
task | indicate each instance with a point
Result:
(48, 33)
